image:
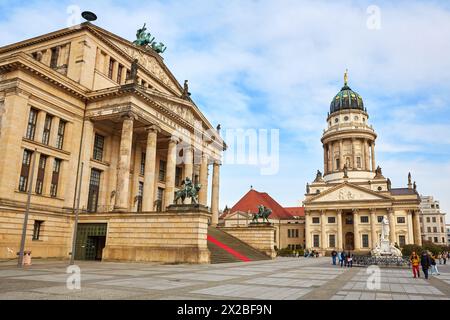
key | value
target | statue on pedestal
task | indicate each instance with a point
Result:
(263, 213)
(189, 190)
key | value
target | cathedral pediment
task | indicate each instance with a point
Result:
(348, 192)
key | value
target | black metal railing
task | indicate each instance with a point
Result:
(381, 261)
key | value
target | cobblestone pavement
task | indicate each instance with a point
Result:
(283, 278)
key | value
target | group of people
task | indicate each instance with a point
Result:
(428, 263)
(311, 254)
(345, 259)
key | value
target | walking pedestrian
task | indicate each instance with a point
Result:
(444, 257)
(349, 260)
(343, 259)
(333, 257)
(425, 261)
(434, 268)
(339, 255)
(415, 261)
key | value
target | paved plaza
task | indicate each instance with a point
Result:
(281, 279)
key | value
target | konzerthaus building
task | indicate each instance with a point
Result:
(344, 206)
(83, 95)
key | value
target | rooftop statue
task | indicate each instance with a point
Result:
(189, 190)
(145, 39)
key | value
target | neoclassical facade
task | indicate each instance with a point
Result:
(107, 127)
(432, 221)
(345, 205)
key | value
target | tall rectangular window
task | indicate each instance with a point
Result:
(37, 229)
(60, 136)
(316, 241)
(428, 219)
(162, 170)
(358, 162)
(332, 241)
(31, 127)
(41, 174)
(315, 220)
(159, 199)
(142, 168)
(331, 220)
(99, 144)
(55, 178)
(365, 240)
(178, 177)
(119, 73)
(47, 128)
(94, 190)
(54, 58)
(140, 195)
(401, 241)
(380, 219)
(338, 164)
(25, 171)
(364, 219)
(434, 219)
(111, 69)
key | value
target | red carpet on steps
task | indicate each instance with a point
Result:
(228, 249)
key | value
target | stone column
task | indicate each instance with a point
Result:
(325, 159)
(40, 122)
(150, 169)
(373, 227)
(123, 172)
(48, 176)
(188, 166)
(215, 194)
(366, 155)
(392, 226)
(323, 236)
(372, 145)
(203, 194)
(307, 230)
(409, 221)
(341, 155)
(356, 230)
(170, 171)
(330, 157)
(340, 234)
(54, 131)
(416, 223)
(355, 162)
(332, 162)
(86, 154)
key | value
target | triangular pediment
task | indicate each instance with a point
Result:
(348, 192)
(238, 215)
(148, 60)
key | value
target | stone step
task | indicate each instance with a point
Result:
(220, 255)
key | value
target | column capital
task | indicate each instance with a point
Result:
(340, 211)
(217, 162)
(355, 210)
(130, 115)
(153, 128)
(390, 210)
(373, 210)
(322, 212)
(174, 139)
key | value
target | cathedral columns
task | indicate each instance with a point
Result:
(392, 224)
(325, 158)
(150, 169)
(307, 231)
(417, 233)
(373, 230)
(169, 193)
(215, 194)
(123, 172)
(355, 165)
(339, 235)
(356, 229)
(323, 236)
(372, 154)
(188, 167)
(331, 157)
(203, 193)
(341, 155)
(366, 155)
(409, 221)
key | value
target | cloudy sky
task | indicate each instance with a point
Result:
(278, 64)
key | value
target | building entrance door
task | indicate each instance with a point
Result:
(349, 241)
(91, 240)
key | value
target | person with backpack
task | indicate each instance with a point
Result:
(333, 257)
(343, 259)
(415, 262)
(425, 261)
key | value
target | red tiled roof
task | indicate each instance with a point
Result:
(296, 211)
(253, 199)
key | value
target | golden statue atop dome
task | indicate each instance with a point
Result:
(346, 77)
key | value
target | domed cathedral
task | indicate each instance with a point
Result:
(345, 206)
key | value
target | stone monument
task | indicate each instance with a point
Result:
(384, 247)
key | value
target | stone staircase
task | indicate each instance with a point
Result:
(225, 248)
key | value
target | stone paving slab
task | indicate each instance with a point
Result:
(148, 283)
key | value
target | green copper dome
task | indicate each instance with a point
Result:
(346, 99)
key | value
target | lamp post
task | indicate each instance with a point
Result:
(27, 211)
